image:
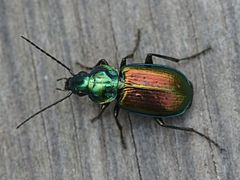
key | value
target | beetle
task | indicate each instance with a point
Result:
(149, 89)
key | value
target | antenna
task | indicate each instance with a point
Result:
(58, 101)
(49, 55)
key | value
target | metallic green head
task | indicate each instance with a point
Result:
(101, 84)
(78, 84)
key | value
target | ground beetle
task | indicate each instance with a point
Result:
(149, 89)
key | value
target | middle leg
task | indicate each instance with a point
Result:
(123, 62)
(116, 112)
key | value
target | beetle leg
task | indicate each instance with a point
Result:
(116, 112)
(81, 94)
(103, 107)
(149, 60)
(59, 89)
(123, 62)
(161, 123)
(100, 62)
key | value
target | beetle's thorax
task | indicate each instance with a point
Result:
(103, 84)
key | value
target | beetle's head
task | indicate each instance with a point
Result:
(78, 84)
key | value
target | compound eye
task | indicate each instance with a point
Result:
(67, 84)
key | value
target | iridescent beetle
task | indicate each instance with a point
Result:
(149, 89)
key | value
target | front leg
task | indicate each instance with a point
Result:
(103, 107)
(100, 62)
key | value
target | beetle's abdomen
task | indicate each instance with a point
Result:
(155, 90)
